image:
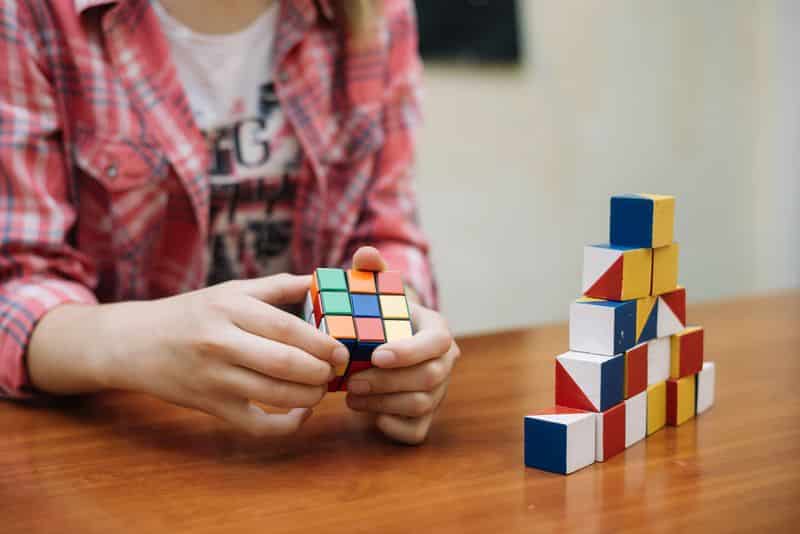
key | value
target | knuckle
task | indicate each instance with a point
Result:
(209, 341)
(443, 340)
(421, 404)
(435, 373)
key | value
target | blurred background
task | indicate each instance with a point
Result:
(561, 104)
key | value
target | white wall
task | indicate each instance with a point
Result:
(693, 98)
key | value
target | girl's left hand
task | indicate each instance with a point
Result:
(409, 381)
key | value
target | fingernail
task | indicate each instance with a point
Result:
(359, 387)
(340, 355)
(383, 358)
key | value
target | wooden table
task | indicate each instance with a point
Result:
(125, 463)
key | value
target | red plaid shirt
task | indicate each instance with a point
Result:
(104, 196)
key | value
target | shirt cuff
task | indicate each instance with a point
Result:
(23, 302)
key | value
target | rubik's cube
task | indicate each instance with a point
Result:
(633, 365)
(361, 309)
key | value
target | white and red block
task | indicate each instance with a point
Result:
(589, 381)
(671, 312)
(610, 434)
(560, 439)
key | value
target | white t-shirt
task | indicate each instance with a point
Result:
(254, 156)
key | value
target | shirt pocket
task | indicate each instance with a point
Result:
(120, 165)
(122, 197)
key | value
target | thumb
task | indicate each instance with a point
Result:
(278, 290)
(368, 259)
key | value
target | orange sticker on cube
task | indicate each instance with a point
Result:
(340, 326)
(361, 281)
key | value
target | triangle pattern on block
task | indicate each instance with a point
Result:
(609, 284)
(650, 326)
(668, 322)
(676, 301)
(569, 393)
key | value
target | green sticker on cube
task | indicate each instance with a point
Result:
(335, 303)
(331, 280)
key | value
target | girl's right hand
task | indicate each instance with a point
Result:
(215, 350)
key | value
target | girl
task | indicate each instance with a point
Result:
(149, 148)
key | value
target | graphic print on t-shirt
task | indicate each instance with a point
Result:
(251, 168)
(253, 155)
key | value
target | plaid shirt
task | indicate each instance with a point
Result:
(104, 196)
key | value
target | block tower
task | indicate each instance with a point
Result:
(633, 365)
(361, 309)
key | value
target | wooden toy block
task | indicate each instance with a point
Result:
(656, 407)
(680, 400)
(642, 220)
(635, 371)
(588, 381)
(335, 303)
(394, 307)
(616, 273)
(361, 281)
(397, 329)
(665, 269)
(610, 432)
(646, 319)
(635, 418)
(686, 352)
(390, 283)
(369, 329)
(671, 313)
(365, 305)
(560, 440)
(706, 381)
(658, 360)
(603, 327)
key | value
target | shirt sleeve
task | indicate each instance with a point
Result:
(389, 218)
(38, 268)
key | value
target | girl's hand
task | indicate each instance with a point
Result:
(216, 350)
(409, 381)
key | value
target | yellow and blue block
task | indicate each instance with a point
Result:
(642, 220)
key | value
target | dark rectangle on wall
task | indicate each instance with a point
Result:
(484, 31)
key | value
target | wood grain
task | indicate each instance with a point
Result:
(126, 463)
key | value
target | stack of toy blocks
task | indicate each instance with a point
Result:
(362, 309)
(633, 365)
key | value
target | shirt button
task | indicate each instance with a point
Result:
(111, 171)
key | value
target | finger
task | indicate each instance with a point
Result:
(278, 290)
(277, 360)
(256, 422)
(410, 404)
(425, 376)
(411, 431)
(368, 259)
(244, 383)
(269, 322)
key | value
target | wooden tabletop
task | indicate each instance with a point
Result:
(126, 463)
